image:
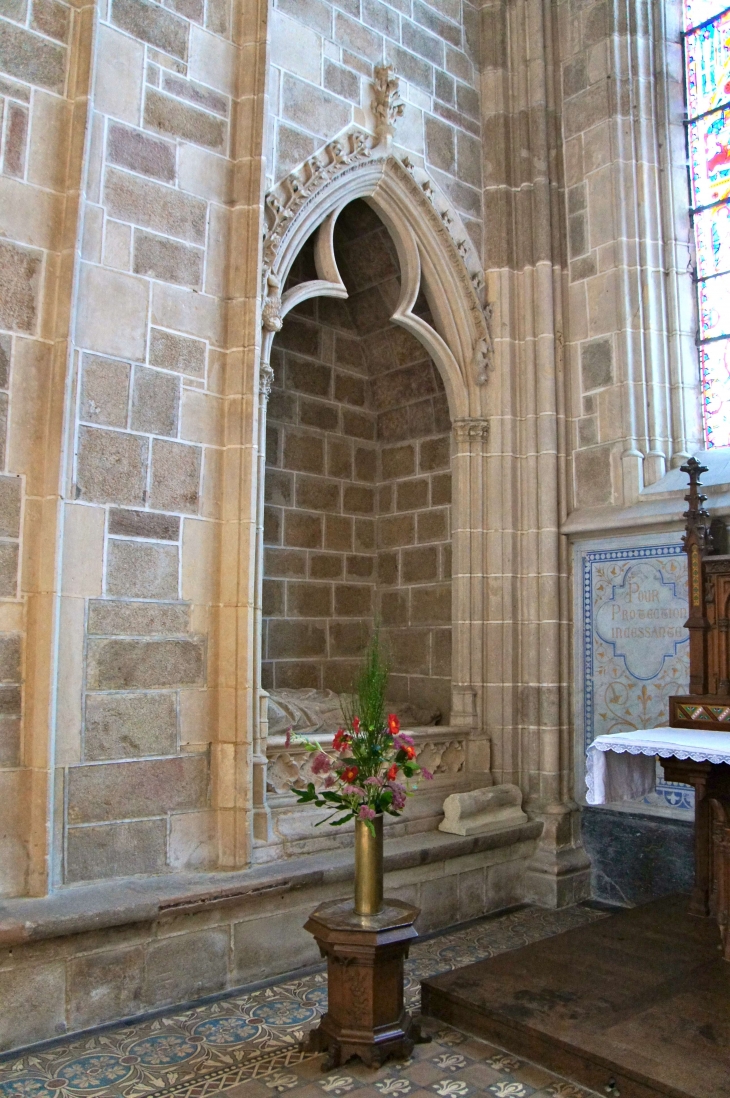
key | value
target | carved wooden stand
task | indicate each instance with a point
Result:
(365, 953)
(707, 706)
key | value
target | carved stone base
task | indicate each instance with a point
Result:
(365, 954)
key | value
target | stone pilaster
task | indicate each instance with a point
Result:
(527, 710)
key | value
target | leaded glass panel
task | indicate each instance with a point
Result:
(715, 370)
(712, 234)
(707, 59)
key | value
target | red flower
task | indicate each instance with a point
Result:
(356, 725)
(349, 774)
(393, 724)
(408, 750)
(341, 740)
(393, 772)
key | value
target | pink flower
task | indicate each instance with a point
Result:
(427, 774)
(402, 741)
(366, 813)
(321, 764)
(374, 781)
(399, 795)
(329, 781)
(353, 791)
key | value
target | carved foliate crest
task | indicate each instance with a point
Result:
(387, 104)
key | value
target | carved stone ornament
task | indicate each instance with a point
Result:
(356, 164)
(266, 379)
(287, 199)
(271, 309)
(387, 104)
(467, 430)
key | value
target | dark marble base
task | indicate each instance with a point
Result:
(636, 858)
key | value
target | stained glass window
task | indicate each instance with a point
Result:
(707, 61)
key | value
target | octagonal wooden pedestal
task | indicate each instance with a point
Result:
(365, 954)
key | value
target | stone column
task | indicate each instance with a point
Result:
(527, 650)
(38, 299)
(238, 642)
(469, 673)
(261, 822)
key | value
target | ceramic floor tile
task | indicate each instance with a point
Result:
(251, 1044)
(479, 1075)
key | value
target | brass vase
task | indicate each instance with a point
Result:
(369, 867)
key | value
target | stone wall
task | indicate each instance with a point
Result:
(631, 318)
(148, 399)
(319, 532)
(115, 357)
(323, 55)
(358, 485)
(136, 949)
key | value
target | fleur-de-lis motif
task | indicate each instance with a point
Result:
(505, 1089)
(337, 1084)
(504, 1063)
(566, 1090)
(451, 1061)
(281, 1082)
(450, 1088)
(394, 1086)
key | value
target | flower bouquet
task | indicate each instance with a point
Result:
(366, 773)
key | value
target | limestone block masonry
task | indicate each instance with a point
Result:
(311, 312)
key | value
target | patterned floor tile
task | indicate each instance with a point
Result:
(250, 1045)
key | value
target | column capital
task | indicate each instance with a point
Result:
(467, 429)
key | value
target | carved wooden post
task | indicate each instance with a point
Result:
(696, 543)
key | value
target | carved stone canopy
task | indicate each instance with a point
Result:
(435, 252)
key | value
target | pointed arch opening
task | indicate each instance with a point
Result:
(375, 352)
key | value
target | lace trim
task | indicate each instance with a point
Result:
(696, 755)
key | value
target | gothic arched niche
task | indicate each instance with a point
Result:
(358, 481)
(428, 307)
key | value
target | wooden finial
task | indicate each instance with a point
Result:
(696, 543)
(698, 518)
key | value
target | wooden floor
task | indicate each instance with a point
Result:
(635, 1006)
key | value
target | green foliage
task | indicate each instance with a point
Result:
(368, 699)
(362, 766)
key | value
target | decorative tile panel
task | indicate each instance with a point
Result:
(632, 650)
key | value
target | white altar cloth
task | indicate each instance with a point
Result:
(622, 767)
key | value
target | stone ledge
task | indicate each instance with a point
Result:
(82, 908)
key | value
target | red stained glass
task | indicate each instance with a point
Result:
(709, 139)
